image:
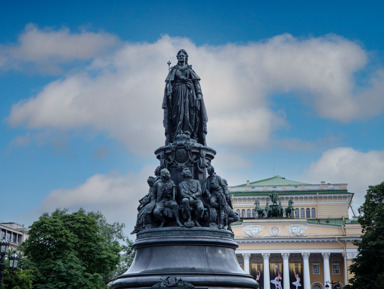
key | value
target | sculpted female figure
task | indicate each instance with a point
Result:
(183, 104)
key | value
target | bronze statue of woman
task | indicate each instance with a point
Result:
(183, 104)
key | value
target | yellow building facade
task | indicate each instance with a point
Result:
(308, 249)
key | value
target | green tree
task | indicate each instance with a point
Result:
(368, 268)
(20, 278)
(73, 250)
(127, 254)
(113, 234)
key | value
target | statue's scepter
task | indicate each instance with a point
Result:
(169, 87)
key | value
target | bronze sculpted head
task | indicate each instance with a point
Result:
(182, 51)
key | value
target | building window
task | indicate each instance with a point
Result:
(336, 269)
(2, 234)
(317, 286)
(14, 238)
(248, 213)
(238, 212)
(316, 269)
(243, 213)
(254, 214)
(313, 213)
(302, 213)
(297, 213)
(308, 213)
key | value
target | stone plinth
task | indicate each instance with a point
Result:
(204, 257)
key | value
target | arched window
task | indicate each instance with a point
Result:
(248, 213)
(238, 212)
(253, 214)
(302, 213)
(297, 216)
(308, 213)
(243, 213)
(313, 213)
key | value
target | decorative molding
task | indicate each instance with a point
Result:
(305, 255)
(274, 231)
(290, 251)
(285, 256)
(266, 256)
(325, 255)
(296, 230)
(253, 231)
(297, 240)
(352, 255)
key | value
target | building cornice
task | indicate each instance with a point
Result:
(297, 240)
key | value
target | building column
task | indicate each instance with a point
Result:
(286, 270)
(307, 277)
(246, 262)
(267, 284)
(327, 274)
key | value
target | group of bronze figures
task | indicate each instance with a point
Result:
(186, 191)
(275, 210)
(186, 205)
(181, 193)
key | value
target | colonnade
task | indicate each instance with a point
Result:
(307, 284)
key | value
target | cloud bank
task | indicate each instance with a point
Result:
(120, 93)
(44, 50)
(346, 165)
(115, 195)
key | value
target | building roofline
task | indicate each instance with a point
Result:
(287, 192)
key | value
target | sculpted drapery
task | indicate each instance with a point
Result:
(183, 104)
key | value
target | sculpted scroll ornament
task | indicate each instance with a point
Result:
(296, 230)
(352, 255)
(253, 231)
(274, 231)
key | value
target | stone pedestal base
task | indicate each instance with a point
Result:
(203, 257)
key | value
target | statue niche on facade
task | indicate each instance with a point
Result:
(183, 104)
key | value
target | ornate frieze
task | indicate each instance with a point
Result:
(274, 231)
(253, 231)
(297, 230)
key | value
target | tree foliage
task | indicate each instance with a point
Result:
(73, 250)
(20, 278)
(368, 268)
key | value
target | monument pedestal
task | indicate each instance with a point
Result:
(203, 257)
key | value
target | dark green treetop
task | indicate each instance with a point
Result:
(368, 268)
(73, 250)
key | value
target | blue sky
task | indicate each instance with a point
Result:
(292, 89)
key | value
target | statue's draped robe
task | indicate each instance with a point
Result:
(183, 111)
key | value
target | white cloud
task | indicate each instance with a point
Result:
(121, 93)
(21, 141)
(346, 165)
(115, 195)
(46, 49)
